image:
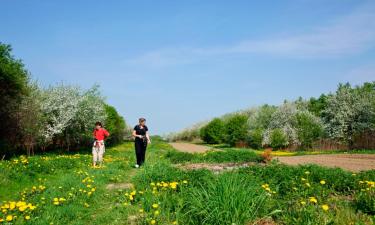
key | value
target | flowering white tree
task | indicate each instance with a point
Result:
(283, 119)
(349, 112)
(69, 112)
(297, 124)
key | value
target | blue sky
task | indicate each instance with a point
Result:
(181, 62)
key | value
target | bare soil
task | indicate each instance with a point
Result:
(188, 147)
(351, 162)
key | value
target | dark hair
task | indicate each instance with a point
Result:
(142, 119)
(98, 123)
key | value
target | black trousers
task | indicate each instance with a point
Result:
(140, 150)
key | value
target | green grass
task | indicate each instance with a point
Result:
(166, 195)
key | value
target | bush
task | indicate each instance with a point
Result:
(115, 124)
(256, 138)
(278, 139)
(236, 129)
(309, 128)
(213, 132)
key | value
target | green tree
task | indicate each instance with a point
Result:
(13, 86)
(278, 139)
(236, 129)
(317, 105)
(309, 128)
(213, 132)
(115, 124)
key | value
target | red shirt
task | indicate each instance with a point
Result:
(100, 134)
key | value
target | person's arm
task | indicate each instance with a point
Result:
(148, 137)
(106, 133)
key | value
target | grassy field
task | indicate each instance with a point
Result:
(64, 189)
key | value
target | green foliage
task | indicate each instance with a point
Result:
(229, 155)
(213, 132)
(13, 87)
(278, 139)
(317, 106)
(115, 124)
(255, 138)
(309, 129)
(229, 199)
(236, 129)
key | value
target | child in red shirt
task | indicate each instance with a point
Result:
(98, 149)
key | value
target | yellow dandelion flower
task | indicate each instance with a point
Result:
(9, 218)
(325, 207)
(155, 206)
(27, 217)
(153, 222)
(313, 200)
(156, 212)
(322, 182)
(303, 203)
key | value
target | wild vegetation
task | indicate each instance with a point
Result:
(56, 117)
(63, 189)
(341, 120)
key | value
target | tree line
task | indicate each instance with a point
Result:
(344, 119)
(42, 118)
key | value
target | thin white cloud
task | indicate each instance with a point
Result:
(351, 34)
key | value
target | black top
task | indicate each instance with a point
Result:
(140, 130)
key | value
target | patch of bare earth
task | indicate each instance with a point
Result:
(215, 167)
(351, 162)
(117, 186)
(188, 147)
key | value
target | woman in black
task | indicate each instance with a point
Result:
(142, 138)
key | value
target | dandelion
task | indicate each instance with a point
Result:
(322, 182)
(141, 210)
(313, 200)
(155, 206)
(27, 217)
(303, 203)
(153, 222)
(156, 212)
(325, 207)
(9, 218)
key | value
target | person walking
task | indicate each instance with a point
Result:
(98, 149)
(141, 139)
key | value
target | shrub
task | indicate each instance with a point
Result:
(309, 128)
(213, 132)
(236, 129)
(255, 138)
(278, 139)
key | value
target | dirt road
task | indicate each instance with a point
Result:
(188, 147)
(351, 162)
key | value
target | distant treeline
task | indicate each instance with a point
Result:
(62, 116)
(341, 120)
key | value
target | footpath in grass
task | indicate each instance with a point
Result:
(64, 189)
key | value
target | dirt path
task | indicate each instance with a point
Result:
(188, 147)
(351, 162)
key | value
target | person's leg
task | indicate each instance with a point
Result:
(138, 151)
(143, 156)
(94, 155)
(100, 154)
